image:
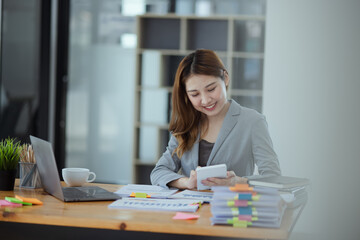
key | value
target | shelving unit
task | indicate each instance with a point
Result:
(163, 40)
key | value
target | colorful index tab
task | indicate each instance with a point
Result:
(197, 203)
(235, 220)
(238, 223)
(139, 195)
(15, 200)
(242, 225)
(255, 198)
(244, 196)
(244, 211)
(241, 188)
(247, 218)
(238, 203)
(5, 203)
(29, 200)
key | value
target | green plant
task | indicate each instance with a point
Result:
(9, 154)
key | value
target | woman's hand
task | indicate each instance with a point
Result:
(185, 182)
(192, 180)
(230, 180)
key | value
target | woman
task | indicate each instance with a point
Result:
(207, 129)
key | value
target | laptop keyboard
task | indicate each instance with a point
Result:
(78, 193)
(87, 193)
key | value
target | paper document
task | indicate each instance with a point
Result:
(182, 205)
(188, 194)
(153, 191)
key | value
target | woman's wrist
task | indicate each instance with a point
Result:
(180, 183)
(241, 180)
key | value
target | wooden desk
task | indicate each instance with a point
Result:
(94, 218)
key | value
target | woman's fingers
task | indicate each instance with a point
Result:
(228, 181)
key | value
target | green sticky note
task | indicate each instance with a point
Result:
(15, 200)
(240, 225)
(231, 203)
(256, 198)
(140, 195)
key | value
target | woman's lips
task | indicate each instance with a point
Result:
(210, 107)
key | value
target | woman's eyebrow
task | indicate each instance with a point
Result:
(209, 85)
(192, 90)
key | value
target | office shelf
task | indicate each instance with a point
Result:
(163, 41)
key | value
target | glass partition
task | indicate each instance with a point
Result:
(108, 93)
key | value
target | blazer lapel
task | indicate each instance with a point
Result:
(230, 121)
(195, 153)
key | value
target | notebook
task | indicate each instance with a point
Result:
(50, 179)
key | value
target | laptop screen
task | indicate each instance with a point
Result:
(46, 165)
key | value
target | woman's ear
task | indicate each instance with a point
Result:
(226, 79)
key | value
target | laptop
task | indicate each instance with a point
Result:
(50, 179)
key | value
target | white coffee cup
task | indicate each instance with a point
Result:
(75, 177)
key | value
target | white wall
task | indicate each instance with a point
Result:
(311, 101)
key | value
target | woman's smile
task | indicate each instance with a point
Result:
(210, 107)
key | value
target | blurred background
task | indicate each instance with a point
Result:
(70, 74)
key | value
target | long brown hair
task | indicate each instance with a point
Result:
(186, 122)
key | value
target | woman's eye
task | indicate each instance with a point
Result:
(212, 89)
(194, 95)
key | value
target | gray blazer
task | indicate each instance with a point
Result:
(243, 141)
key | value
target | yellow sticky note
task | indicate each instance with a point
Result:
(29, 200)
(140, 195)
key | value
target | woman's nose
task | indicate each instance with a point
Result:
(205, 99)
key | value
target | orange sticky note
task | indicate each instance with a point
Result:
(241, 187)
(185, 216)
(29, 200)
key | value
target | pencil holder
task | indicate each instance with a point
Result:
(29, 175)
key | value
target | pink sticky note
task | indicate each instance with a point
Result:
(245, 217)
(185, 216)
(4, 203)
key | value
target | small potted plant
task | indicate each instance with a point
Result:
(9, 159)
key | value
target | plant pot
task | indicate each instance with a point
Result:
(7, 180)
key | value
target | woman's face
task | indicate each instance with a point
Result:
(207, 93)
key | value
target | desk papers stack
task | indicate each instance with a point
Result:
(150, 190)
(194, 195)
(149, 197)
(176, 205)
(243, 206)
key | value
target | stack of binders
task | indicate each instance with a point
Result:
(243, 206)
